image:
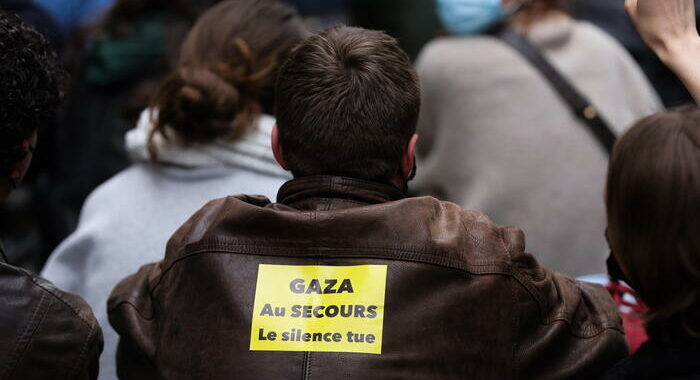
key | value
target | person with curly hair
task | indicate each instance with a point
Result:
(44, 332)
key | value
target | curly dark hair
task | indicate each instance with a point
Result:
(31, 88)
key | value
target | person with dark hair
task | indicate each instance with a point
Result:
(345, 277)
(653, 203)
(206, 134)
(117, 65)
(44, 332)
(500, 136)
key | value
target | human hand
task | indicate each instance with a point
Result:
(667, 26)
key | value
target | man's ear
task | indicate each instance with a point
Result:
(408, 159)
(277, 148)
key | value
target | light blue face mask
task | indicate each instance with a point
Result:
(464, 17)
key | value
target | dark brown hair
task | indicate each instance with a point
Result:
(653, 202)
(225, 75)
(347, 103)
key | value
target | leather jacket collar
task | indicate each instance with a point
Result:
(332, 193)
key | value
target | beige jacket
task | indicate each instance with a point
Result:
(496, 137)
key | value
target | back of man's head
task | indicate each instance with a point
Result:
(347, 103)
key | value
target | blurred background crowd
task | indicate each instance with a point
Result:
(118, 52)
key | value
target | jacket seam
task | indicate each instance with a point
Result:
(499, 267)
(55, 294)
(502, 267)
(403, 255)
(515, 273)
(516, 329)
(65, 302)
(329, 200)
(25, 338)
(135, 307)
(82, 356)
(305, 366)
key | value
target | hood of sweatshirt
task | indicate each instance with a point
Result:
(252, 151)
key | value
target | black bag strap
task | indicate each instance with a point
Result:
(583, 108)
(2, 254)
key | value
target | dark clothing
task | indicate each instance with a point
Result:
(462, 298)
(108, 95)
(656, 361)
(413, 22)
(610, 16)
(44, 332)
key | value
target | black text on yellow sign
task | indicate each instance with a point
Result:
(319, 308)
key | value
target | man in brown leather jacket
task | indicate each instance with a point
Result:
(345, 277)
(44, 332)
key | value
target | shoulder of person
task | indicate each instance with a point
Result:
(593, 36)
(52, 321)
(460, 50)
(124, 184)
(488, 248)
(213, 219)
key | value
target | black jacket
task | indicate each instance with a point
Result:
(656, 361)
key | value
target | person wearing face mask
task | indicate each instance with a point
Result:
(44, 332)
(498, 136)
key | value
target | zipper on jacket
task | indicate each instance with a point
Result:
(306, 366)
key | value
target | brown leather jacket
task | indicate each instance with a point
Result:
(44, 332)
(462, 298)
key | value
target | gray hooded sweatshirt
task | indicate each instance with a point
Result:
(126, 222)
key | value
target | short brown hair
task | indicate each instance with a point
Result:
(347, 103)
(653, 202)
(227, 69)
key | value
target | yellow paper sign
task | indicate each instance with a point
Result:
(319, 308)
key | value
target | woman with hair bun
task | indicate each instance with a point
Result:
(205, 136)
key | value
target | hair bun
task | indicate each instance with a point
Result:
(199, 105)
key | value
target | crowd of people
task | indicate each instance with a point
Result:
(405, 191)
